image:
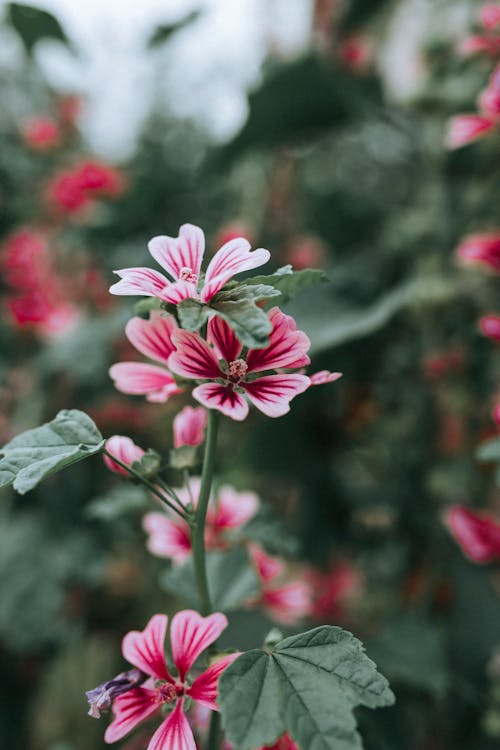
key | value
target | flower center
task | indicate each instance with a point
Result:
(165, 692)
(187, 274)
(237, 369)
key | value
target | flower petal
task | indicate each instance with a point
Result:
(129, 710)
(140, 281)
(271, 394)
(145, 648)
(167, 538)
(221, 335)
(233, 509)
(288, 603)
(180, 290)
(204, 688)
(268, 567)
(189, 426)
(193, 357)
(176, 253)
(324, 376)
(143, 379)
(464, 129)
(223, 398)
(287, 348)
(174, 733)
(152, 337)
(190, 634)
(232, 258)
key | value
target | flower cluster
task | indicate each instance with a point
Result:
(72, 190)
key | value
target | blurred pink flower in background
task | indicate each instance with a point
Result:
(483, 248)
(228, 511)
(285, 602)
(306, 251)
(477, 534)
(333, 590)
(489, 15)
(464, 129)
(489, 325)
(41, 133)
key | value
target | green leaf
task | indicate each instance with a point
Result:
(249, 322)
(231, 580)
(250, 291)
(184, 457)
(163, 32)
(35, 454)
(34, 24)
(289, 282)
(144, 306)
(148, 465)
(307, 685)
(192, 314)
(489, 450)
(122, 500)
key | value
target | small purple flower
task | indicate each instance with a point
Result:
(101, 697)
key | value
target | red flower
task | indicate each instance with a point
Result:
(41, 133)
(477, 535)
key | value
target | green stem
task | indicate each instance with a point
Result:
(151, 487)
(200, 569)
(213, 742)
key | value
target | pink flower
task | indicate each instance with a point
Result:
(489, 15)
(477, 535)
(333, 589)
(181, 257)
(476, 45)
(283, 743)
(41, 133)
(65, 193)
(464, 129)
(124, 449)
(481, 248)
(496, 414)
(153, 338)
(287, 603)
(190, 635)
(356, 52)
(96, 177)
(229, 383)
(24, 259)
(489, 325)
(189, 426)
(306, 251)
(228, 511)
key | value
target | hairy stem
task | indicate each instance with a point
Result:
(207, 473)
(151, 487)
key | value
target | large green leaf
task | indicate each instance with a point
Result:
(289, 282)
(253, 291)
(249, 322)
(192, 314)
(34, 24)
(231, 580)
(35, 454)
(307, 685)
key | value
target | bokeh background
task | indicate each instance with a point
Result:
(316, 129)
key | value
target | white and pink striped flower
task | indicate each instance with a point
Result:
(181, 257)
(190, 635)
(153, 338)
(228, 511)
(189, 426)
(232, 378)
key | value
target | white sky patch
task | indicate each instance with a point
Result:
(203, 73)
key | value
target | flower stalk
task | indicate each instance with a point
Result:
(199, 559)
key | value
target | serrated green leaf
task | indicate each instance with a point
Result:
(256, 292)
(308, 685)
(34, 24)
(489, 450)
(145, 306)
(231, 580)
(289, 282)
(192, 314)
(249, 322)
(35, 454)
